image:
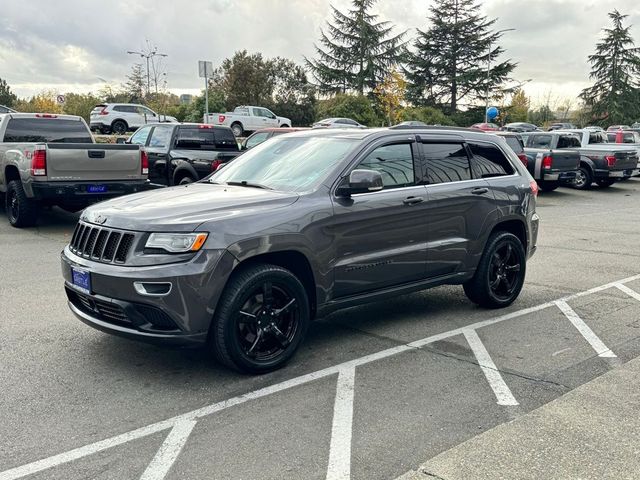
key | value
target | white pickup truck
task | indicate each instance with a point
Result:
(247, 119)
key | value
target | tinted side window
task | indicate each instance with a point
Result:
(141, 136)
(257, 139)
(597, 137)
(161, 136)
(489, 161)
(446, 162)
(395, 164)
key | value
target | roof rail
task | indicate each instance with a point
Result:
(434, 127)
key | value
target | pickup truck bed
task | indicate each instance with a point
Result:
(41, 164)
(551, 168)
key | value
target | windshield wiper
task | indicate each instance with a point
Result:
(244, 183)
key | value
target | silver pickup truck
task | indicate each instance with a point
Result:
(48, 160)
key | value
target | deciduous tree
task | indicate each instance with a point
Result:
(390, 94)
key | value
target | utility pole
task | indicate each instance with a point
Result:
(486, 108)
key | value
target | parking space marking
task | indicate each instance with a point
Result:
(628, 291)
(598, 345)
(169, 451)
(341, 431)
(80, 452)
(497, 383)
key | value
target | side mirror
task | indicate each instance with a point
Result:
(361, 181)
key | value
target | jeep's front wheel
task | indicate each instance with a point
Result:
(261, 319)
(500, 274)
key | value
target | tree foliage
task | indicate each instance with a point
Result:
(7, 97)
(615, 95)
(357, 107)
(390, 95)
(356, 51)
(43, 102)
(518, 110)
(428, 115)
(80, 104)
(449, 62)
(135, 85)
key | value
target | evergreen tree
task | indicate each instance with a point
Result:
(7, 97)
(356, 52)
(136, 84)
(450, 59)
(615, 96)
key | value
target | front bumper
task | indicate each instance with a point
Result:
(181, 316)
(78, 191)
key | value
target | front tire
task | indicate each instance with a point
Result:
(548, 186)
(185, 180)
(500, 274)
(21, 210)
(261, 319)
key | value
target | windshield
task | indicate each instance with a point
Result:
(289, 164)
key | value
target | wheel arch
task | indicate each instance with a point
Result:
(514, 226)
(183, 169)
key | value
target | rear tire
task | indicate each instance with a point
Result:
(119, 127)
(500, 274)
(237, 129)
(21, 210)
(548, 186)
(186, 180)
(583, 179)
(253, 329)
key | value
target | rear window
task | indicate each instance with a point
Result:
(52, 130)
(195, 138)
(515, 143)
(569, 141)
(489, 161)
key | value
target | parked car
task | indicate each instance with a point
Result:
(486, 127)
(520, 127)
(300, 226)
(338, 123)
(600, 161)
(550, 168)
(411, 123)
(613, 128)
(52, 160)
(186, 152)
(259, 136)
(4, 109)
(120, 118)
(628, 136)
(247, 119)
(561, 126)
(636, 126)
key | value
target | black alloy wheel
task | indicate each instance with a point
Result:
(504, 271)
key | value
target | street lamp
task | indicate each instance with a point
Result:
(486, 115)
(149, 55)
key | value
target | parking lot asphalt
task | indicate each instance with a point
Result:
(374, 391)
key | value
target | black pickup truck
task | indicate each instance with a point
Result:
(185, 153)
(600, 162)
(550, 168)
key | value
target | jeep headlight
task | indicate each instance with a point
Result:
(177, 242)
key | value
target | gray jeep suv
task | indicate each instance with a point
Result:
(299, 226)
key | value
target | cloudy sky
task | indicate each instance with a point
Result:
(77, 45)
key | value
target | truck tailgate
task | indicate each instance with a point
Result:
(626, 160)
(93, 162)
(565, 160)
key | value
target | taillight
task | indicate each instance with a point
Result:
(205, 126)
(534, 188)
(39, 163)
(547, 162)
(523, 158)
(144, 162)
(215, 164)
(104, 111)
(611, 160)
(45, 115)
(221, 118)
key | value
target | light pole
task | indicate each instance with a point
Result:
(147, 56)
(486, 115)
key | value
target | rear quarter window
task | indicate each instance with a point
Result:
(489, 161)
(515, 143)
(51, 130)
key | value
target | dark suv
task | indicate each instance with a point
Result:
(299, 226)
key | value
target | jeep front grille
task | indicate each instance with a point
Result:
(101, 244)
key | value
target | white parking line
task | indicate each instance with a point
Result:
(497, 383)
(628, 291)
(77, 453)
(169, 451)
(598, 345)
(340, 451)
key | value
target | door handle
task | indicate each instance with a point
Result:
(480, 191)
(412, 200)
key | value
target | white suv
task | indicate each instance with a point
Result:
(122, 117)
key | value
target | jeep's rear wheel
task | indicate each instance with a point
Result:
(261, 319)
(500, 274)
(21, 210)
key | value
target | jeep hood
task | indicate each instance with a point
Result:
(183, 208)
